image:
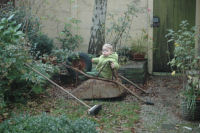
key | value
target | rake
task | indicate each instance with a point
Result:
(91, 111)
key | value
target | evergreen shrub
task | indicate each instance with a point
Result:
(18, 81)
(47, 124)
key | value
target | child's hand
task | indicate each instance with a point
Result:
(112, 65)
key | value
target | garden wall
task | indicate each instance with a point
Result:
(54, 13)
(197, 45)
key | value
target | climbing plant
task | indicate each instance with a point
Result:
(119, 29)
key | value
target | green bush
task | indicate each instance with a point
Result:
(124, 54)
(61, 54)
(30, 23)
(41, 45)
(69, 40)
(17, 81)
(184, 43)
(47, 124)
(184, 61)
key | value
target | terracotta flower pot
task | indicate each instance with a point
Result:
(138, 56)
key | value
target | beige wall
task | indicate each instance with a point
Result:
(54, 13)
(84, 12)
(197, 45)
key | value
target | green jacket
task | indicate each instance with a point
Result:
(101, 61)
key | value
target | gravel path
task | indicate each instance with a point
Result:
(164, 116)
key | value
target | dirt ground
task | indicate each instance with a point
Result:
(164, 116)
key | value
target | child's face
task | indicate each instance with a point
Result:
(106, 51)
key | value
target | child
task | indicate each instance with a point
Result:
(107, 56)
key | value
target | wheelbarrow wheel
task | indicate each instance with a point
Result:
(82, 61)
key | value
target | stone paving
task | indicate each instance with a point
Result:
(164, 116)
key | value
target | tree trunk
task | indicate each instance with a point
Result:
(97, 38)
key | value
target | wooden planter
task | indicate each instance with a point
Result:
(138, 56)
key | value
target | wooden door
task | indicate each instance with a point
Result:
(170, 13)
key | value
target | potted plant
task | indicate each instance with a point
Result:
(185, 62)
(190, 104)
(139, 46)
(124, 54)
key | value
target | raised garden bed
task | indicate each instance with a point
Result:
(136, 71)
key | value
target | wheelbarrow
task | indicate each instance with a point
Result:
(98, 88)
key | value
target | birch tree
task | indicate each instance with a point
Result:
(97, 38)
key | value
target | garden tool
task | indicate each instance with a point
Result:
(122, 77)
(114, 74)
(92, 110)
(114, 81)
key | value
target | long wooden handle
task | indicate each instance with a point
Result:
(132, 83)
(58, 86)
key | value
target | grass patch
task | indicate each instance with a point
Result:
(115, 116)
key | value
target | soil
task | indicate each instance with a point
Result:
(164, 116)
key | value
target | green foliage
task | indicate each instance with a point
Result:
(17, 81)
(46, 123)
(41, 44)
(185, 61)
(192, 92)
(29, 23)
(184, 52)
(63, 54)
(69, 40)
(119, 29)
(124, 54)
(140, 44)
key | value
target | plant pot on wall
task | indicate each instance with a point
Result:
(138, 56)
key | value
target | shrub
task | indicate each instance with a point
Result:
(41, 44)
(30, 24)
(69, 40)
(118, 30)
(17, 81)
(46, 123)
(124, 54)
(184, 60)
(61, 54)
(184, 51)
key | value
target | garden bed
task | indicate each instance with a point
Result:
(123, 114)
(117, 115)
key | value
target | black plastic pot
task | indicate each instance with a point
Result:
(189, 114)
